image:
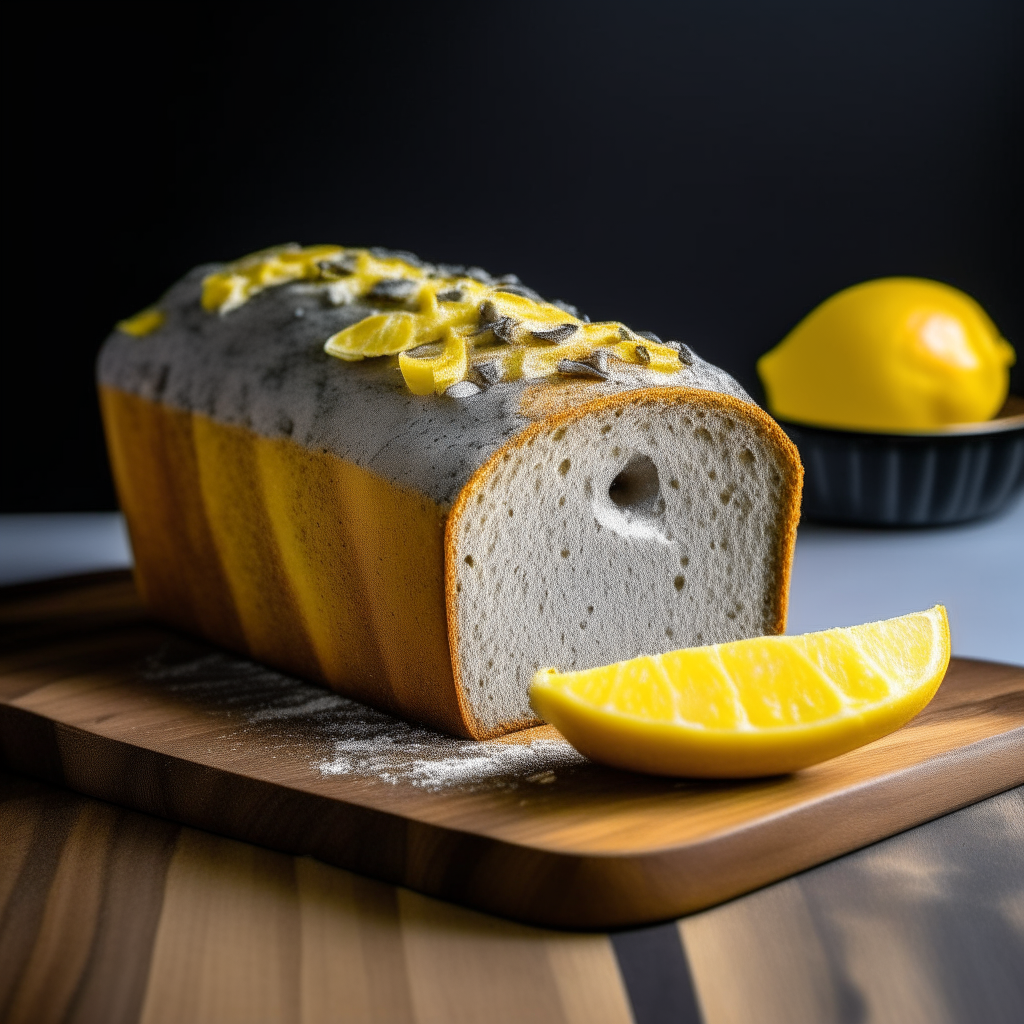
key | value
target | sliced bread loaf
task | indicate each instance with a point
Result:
(427, 553)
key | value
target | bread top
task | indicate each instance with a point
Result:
(261, 364)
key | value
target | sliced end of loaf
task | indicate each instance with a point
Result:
(635, 524)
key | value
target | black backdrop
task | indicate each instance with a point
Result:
(709, 171)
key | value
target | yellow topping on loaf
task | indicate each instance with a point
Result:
(240, 281)
(443, 329)
(146, 322)
(489, 335)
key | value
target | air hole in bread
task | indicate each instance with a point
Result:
(637, 487)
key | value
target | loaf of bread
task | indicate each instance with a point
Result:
(419, 483)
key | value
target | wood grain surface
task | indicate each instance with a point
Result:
(96, 697)
(110, 916)
(107, 915)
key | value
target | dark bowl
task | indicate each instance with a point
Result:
(952, 475)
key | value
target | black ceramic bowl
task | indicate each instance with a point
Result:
(945, 476)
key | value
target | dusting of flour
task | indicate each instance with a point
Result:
(294, 719)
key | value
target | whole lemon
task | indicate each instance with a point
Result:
(896, 354)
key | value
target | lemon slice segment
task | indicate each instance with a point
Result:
(384, 334)
(753, 707)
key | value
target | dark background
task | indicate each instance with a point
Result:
(707, 171)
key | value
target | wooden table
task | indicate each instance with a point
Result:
(109, 915)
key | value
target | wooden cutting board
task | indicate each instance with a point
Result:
(97, 697)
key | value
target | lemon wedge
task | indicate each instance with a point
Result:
(753, 707)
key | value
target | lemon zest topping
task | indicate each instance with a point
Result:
(240, 281)
(444, 329)
(146, 322)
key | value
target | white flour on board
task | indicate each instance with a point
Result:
(350, 739)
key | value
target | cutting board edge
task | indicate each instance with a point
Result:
(445, 862)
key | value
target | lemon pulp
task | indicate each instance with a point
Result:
(896, 354)
(752, 707)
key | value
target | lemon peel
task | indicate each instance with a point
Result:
(752, 707)
(896, 354)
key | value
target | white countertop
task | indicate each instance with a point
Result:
(841, 577)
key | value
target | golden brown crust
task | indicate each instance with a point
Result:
(699, 397)
(286, 554)
(163, 524)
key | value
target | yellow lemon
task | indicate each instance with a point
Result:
(896, 354)
(754, 707)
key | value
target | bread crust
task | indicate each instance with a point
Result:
(276, 552)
